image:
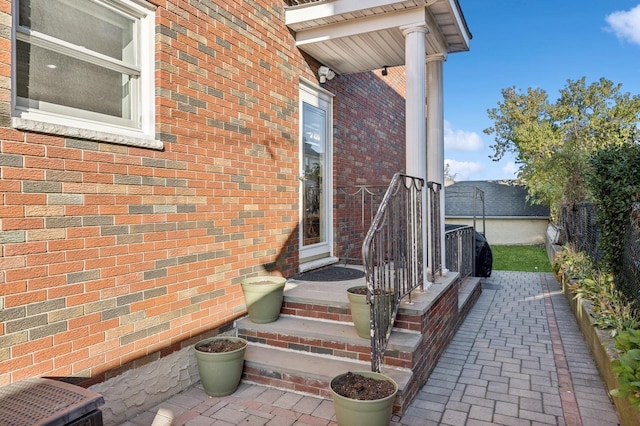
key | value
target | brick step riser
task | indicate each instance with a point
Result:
(300, 383)
(353, 351)
(335, 313)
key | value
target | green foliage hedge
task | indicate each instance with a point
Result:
(614, 183)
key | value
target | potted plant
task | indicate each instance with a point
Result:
(363, 398)
(263, 296)
(361, 310)
(220, 363)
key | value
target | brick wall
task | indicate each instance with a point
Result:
(111, 253)
(112, 256)
(369, 148)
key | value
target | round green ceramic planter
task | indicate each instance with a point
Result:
(220, 373)
(360, 313)
(351, 412)
(263, 296)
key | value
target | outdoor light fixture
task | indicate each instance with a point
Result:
(385, 70)
(325, 73)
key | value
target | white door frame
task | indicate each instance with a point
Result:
(321, 252)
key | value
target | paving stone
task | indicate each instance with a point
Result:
(280, 421)
(307, 404)
(506, 408)
(481, 413)
(428, 405)
(478, 401)
(458, 406)
(433, 397)
(288, 400)
(477, 391)
(498, 387)
(325, 410)
(453, 417)
(537, 417)
(228, 414)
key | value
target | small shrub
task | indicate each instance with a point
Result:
(611, 310)
(627, 367)
(572, 264)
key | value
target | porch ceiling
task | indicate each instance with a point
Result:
(355, 36)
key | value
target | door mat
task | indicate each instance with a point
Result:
(332, 273)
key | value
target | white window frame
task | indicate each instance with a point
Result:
(65, 121)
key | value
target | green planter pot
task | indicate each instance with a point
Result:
(220, 373)
(360, 312)
(359, 412)
(263, 296)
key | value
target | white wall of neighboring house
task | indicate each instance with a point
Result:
(508, 230)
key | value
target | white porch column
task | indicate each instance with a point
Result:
(416, 126)
(435, 135)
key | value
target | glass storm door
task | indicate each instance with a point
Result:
(315, 175)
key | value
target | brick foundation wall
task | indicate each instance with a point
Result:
(112, 253)
(439, 324)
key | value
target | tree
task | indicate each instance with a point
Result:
(448, 176)
(553, 142)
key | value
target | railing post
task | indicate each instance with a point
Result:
(434, 249)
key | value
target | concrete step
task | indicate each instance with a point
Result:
(468, 289)
(325, 337)
(310, 373)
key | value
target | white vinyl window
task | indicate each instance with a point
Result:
(85, 68)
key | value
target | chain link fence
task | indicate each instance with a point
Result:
(578, 226)
(628, 281)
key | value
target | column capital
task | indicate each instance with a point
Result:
(436, 57)
(414, 28)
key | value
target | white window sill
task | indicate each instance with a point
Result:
(79, 133)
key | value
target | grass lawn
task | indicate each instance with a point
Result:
(520, 258)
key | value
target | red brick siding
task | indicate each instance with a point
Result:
(111, 253)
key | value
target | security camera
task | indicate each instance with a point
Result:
(325, 73)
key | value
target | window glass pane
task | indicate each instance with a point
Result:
(314, 141)
(83, 23)
(47, 76)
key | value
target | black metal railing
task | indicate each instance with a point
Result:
(392, 256)
(459, 242)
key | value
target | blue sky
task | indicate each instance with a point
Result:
(526, 43)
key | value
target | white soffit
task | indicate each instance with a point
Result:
(355, 36)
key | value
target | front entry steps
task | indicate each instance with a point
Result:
(314, 339)
(304, 354)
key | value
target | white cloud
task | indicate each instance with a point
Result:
(626, 24)
(510, 169)
(460, 140)
(464, 170)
